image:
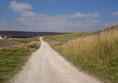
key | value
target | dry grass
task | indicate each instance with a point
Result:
(97, 54)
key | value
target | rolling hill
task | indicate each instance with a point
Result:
(25, 34)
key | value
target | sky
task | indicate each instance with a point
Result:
(57, 15)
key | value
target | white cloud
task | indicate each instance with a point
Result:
(82, 15)
(7, 26)
(115, 13)
(55, 23)
(28, 14)
(2, 25)
(42, 22)
(20, 6)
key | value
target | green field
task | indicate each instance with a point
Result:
(67, 36)
(12, 59)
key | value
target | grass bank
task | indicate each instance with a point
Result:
(65, 36)
(13, 58)
(58, 40)
(97, 54)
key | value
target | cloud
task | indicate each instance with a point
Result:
(3, 25)
(115, 13)
(59, 23)
(20, 6)
(28, 14)
(33, 21)
(7, 26)
(81, 15)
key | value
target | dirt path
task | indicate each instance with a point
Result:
(47, 66)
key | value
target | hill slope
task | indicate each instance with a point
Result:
(96, 53)
(25, 34)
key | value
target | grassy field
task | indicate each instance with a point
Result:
(97, 54)
(13, 58)
(66, 36)
(27, 40)
(57, 40)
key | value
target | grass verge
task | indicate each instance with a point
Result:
(13, 58)
(97, 54)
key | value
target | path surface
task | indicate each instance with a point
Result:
(47, 66)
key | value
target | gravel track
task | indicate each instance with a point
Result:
(47, 66)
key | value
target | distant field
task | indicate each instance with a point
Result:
(57, 40)
(13, 57)
(67, 36)
(27, 40)
(97, 54)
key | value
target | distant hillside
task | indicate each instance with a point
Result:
(115, 27)
(25, 34)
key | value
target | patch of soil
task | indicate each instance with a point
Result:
(7, 43)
